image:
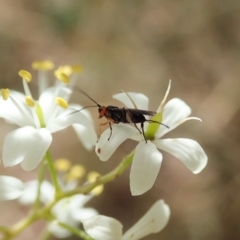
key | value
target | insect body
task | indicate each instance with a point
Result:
(117, 115)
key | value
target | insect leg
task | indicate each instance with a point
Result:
(110, 125)
(137, 127)
(101, 124)
(142, 125)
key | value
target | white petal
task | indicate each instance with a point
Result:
(30, 192)
(10, 188)
(153, 221)
(14, 110)
(138, 98)
(103, 228)
(66, 119)
(83, 213)
(27, 145)
(57, 230)
(174, 111)
(145, 167)
(187, 151)
(120, 132)
(87, 135)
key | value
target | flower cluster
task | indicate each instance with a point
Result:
(61, 202)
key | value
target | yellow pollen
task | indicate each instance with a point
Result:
(5, 93)
(92, 176)
(76, 172)
(61, 102)
(63, 77)
(25, 75)
(43, 65)
(29, 101)
(77, 69)
(62, 164)
(63, 69)
(98, 190)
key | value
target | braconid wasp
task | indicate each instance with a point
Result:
(117, 115)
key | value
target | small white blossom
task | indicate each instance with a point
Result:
(10, 188)
(102, 227)
(147, 159)
(70, 211)
(37, 120)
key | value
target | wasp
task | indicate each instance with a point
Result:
(116, 115)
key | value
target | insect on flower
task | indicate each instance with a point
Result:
(116, 115)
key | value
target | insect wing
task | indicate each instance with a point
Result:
(139, 111)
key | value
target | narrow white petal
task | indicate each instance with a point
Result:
(27, 145)
(153, 221)
(138, 98)
(145, 167)
(105, 148)
(57, 230)
(103, 228)
(83, 213)
(14, 110)
(10, 188)
(174, 111)
(87, 135)
(30, 192)
(187, 151)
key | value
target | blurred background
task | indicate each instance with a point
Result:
(138, 45)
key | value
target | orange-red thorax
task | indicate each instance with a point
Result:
(102, 111)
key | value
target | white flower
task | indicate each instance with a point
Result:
(70, 211)
(37, 120)
(101, 227)
(10, 188)
(147, 159)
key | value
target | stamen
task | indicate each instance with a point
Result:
(29, 101)
(62, 77)
(63, 69)
(43, 65)
(76, 172)
(77, 69)
(92, 177)
(5, 93)
(62, 164)
(25, 75)
(61, 102)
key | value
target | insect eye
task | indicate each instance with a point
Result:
(99, 109)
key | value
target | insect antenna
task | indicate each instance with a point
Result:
(79, 110)
(84, 93)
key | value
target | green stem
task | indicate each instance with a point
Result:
(102, 180)
(45, 211)
(40, 179)
(53, 173)
(75, 231)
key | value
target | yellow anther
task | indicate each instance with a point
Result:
(62, 164)
(93, 176)
(29, 101)
(64, 69)
(5, 93)
(77, 69)
(76, 172)
(62, 77)
(61, 102)
(98, 190)
(25, 75)
(43, 65)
